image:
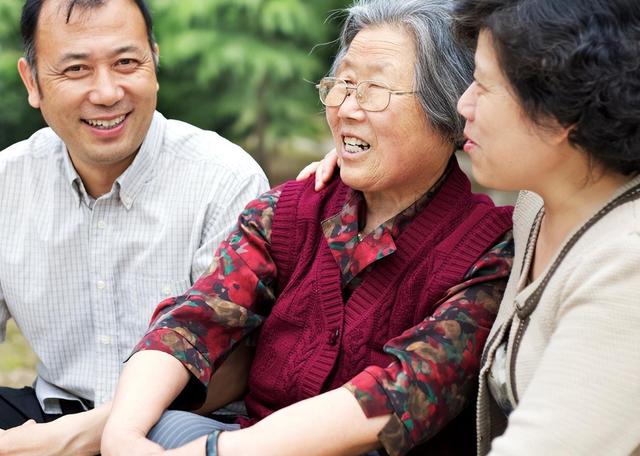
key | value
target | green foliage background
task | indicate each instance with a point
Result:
(239, 67)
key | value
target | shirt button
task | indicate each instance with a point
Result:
(333, 338)
(102, 225)
(105, 340)
(126, 200)
(100, 285)
(166, 290)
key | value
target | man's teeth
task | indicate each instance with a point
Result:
(106, 124)
(354, 145)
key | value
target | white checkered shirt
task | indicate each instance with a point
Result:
(81, 277)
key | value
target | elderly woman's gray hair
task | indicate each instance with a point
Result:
(444, 67)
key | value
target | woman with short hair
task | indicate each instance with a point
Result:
(555, 109)
(369, 302)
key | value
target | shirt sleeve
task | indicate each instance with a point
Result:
(229, 301)
(436, 362)
(220, 218)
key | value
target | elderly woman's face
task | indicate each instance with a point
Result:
(393, 150)
(508, 152)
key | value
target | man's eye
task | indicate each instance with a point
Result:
(127, 62)
(75, 70)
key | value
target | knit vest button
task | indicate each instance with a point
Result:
(333, 337)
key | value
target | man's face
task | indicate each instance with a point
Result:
(97, 84)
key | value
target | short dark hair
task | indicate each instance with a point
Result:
(575, 63)
(31, 13)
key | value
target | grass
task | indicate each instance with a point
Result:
(17, 361)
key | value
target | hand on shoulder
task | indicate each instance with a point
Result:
(323, 170)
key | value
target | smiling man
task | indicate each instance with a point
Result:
(102, 215)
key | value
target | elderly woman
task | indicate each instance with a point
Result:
(555, 109)
(368, 303)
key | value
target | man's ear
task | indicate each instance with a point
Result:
(156, 52)
(29, 82)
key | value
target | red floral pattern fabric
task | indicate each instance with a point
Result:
(233, 298)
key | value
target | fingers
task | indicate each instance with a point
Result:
(319, 184)
(307, 171)
(323, 169)
(326, 169)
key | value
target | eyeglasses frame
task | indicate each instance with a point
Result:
(355, 88)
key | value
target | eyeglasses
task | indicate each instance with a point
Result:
(371, 95)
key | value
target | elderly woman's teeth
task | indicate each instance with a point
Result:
(355, 145)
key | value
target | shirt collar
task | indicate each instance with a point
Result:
(351, 219)
(354, 253)
(72, 177)
(141, 170)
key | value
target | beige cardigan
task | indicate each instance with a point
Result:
(575, 375)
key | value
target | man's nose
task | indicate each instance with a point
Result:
(106, 90)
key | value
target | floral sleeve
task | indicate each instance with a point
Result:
(436, 362)
(236, 293)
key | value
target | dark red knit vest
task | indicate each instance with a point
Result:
(313, 341)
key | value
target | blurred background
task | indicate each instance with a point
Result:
(243, 68)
